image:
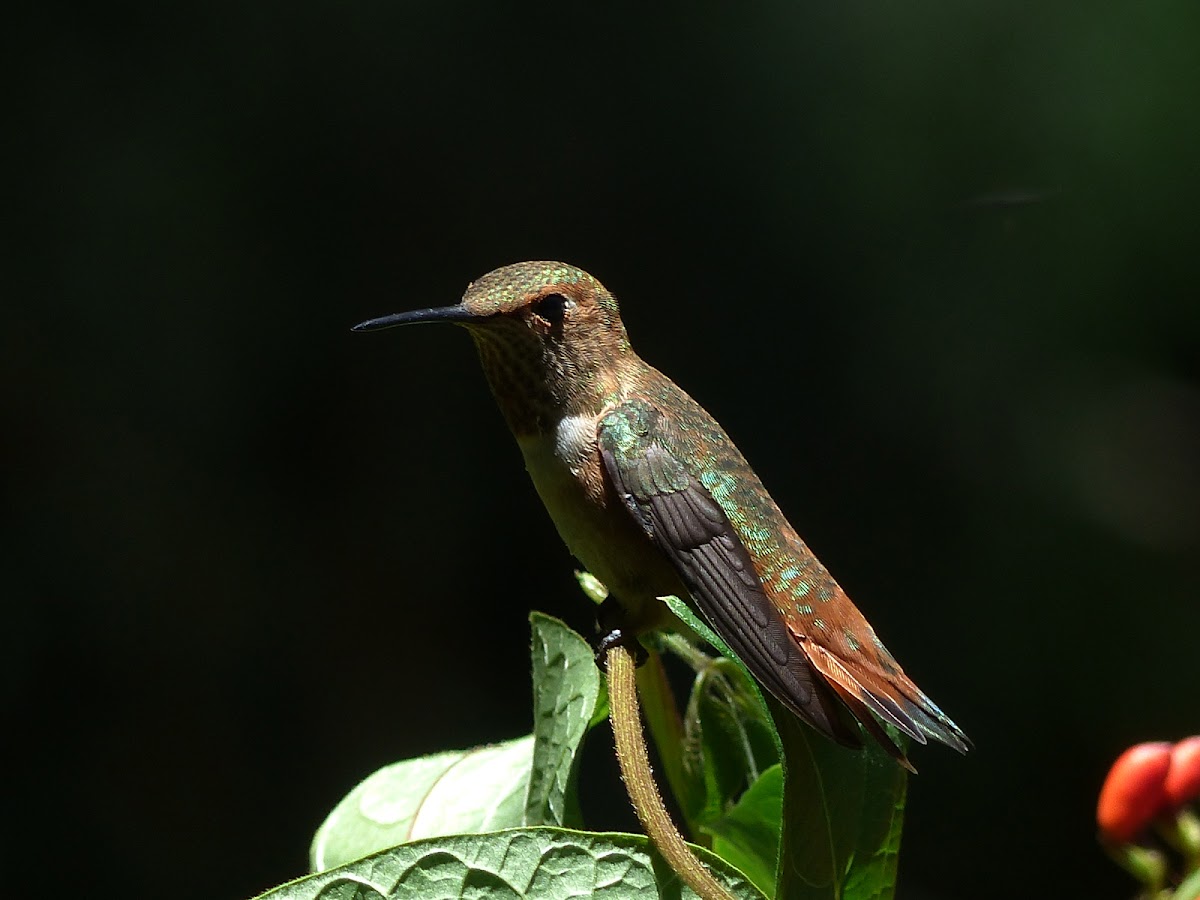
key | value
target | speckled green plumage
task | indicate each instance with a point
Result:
(704, 451)
(505, 289)
(816, 610)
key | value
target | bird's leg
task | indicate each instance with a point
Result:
(612, 624)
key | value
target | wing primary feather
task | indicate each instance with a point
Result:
(688, 525)
(725, 590)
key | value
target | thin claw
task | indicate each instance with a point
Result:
(618, 638)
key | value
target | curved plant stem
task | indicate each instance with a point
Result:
(665, 725)
(639, 781)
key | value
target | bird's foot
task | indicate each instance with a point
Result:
(613, 633)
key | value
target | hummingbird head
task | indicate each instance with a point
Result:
(549, 335)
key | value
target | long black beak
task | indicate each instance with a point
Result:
(456, 313)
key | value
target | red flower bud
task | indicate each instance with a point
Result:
(1133, 794)
(1183, 778)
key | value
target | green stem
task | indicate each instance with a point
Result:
(666, 730)
(639, 780)
(696, 659)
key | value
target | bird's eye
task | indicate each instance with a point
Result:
(552, 307)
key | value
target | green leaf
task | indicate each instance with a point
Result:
(729, 738)
(566, 688)
(872, 873)
(600, 713)
(483, 789)
(592, 586)
(529, 780)
(684, 613)
(1190, 888)
(518, 864)
(843, 810)
(748, 835)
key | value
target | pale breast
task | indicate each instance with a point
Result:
(575, 444)
(566, 470)
(568, 473)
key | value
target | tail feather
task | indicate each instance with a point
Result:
(862, 713)
(892, 699)
(933, 721)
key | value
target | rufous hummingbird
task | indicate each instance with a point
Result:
(653, 498)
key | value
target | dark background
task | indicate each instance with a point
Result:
(933, 265)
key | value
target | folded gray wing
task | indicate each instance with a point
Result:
(687, 524)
